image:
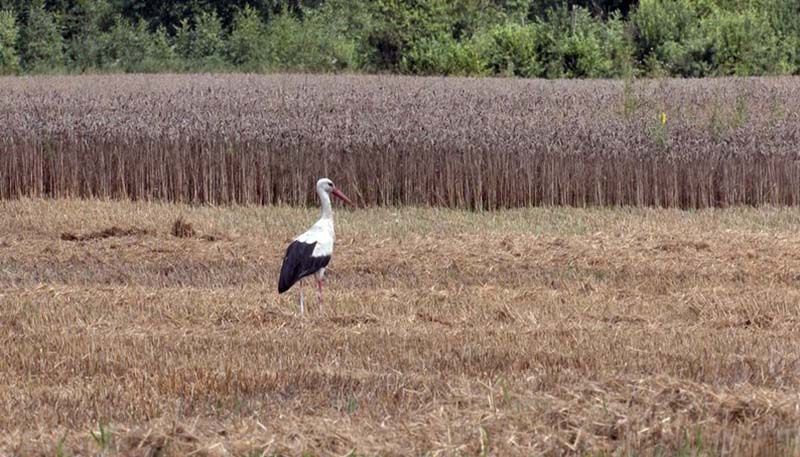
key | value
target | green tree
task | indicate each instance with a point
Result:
(132, 48)
(208, 41)
(9, 33)
(84, 27)
(162, 52)
(42, 44)
(202, 46)
(247, 44)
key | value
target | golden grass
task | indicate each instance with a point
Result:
(525, 332)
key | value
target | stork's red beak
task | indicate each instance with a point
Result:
(340, 195)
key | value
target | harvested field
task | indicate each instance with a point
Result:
(459, 143)
(520, 332)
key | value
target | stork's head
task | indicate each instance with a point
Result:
(326, 186)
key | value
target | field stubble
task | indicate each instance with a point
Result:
(459, 143)
(512, 333)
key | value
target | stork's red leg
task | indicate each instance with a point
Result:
(319, 289)
(302, 301)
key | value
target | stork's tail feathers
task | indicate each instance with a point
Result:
(299, 263)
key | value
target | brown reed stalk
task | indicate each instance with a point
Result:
(461, 143)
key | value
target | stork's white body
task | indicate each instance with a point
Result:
(310, 252)
(322, 234)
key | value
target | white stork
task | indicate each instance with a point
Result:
(310, 252)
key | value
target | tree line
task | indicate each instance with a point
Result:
(526, 38)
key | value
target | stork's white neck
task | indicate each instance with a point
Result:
(325, 200)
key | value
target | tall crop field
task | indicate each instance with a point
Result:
(461, 143)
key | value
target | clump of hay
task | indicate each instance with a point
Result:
(107, 233)
(182, 229)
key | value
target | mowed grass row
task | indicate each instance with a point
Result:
(521, 332)
(452, 142)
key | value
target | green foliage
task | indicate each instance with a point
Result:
(666, 34)
(208, 42)
(9, 33)
(439, 37)
(314, 43)
(658, 131)
(510, 50)
(701, 38)
(61, 450)
(691, 57)
(516, 11)
(83, 31)
(743, 43)
(124, 46)
(131, 48)
(658, 22)
(201, 45)
(42, 44)
(784, 17)
(442, 56)
(102, 437)
(577, 45)
(539, 8)
(399, 23)
(466, 18)
(247, 44)
(524, 38)
(184, 39)
(163, 56)
(618, 46)
(343, 24)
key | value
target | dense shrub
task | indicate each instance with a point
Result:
(442, 56)
(657, 23)
(701, 38)
(399, 24)
(690, 57)
(784, 17)
(743, 43)
(510, 49)
(294, 45)
(576, 44)
(132, 48)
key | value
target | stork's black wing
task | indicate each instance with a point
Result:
(299, 263)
